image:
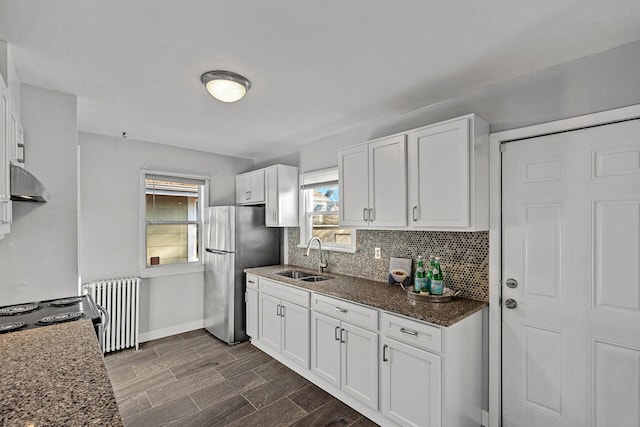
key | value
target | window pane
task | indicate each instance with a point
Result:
(326, 228)
(171, 208)
(325, 199)
(172, 243)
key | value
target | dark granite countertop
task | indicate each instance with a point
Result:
(377, 294)
(55, 376)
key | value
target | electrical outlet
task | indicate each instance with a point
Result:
(377, 253)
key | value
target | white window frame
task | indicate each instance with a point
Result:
(170, 269)
(319, 176)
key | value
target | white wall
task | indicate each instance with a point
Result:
(595, 83)
(110, 221)
(38, 259)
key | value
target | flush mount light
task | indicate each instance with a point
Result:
(225, 86)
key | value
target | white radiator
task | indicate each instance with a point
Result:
(119, 297)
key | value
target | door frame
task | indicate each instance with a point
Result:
(495, 230)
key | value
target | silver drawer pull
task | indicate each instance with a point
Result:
(341, 310)
(408, 332)
(251, 281)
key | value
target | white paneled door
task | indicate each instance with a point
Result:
(571, 278)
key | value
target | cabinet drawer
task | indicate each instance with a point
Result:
(343, 310)
(252, 282)
(287, 293)
(412, 332)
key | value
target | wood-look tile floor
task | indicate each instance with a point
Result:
(194, 379)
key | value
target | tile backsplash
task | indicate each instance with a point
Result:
(464, 256)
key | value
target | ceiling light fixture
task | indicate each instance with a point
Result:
(225, 86)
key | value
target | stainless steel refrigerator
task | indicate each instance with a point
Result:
(235, 238)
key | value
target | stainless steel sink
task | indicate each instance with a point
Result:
(303, 276)
(294, 274)
(314, 279)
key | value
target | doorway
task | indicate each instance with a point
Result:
(569, 271)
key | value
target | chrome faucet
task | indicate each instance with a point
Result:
(323, 264)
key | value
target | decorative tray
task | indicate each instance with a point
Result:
(447, 295)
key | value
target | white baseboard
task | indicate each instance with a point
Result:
(172, 330)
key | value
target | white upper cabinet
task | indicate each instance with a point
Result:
(373, 184)
(281, 207)
(449, 175)
(277, 188)
(5, 153)
(250, 188)
(353, 170)
(437, 180)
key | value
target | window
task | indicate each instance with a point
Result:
(320, 211)
(172, 220)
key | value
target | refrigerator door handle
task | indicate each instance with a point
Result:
(216, 251)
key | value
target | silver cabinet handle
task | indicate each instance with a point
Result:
(342, 339)
(415, 213)
(371, 214)
(408, 332)
(384, 353)
(341, 310)
(282, 311)
(335, 334)
(251, 281)
(364, 214)
(278, 309)
(510, 303)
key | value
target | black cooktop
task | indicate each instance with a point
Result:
(31, 315)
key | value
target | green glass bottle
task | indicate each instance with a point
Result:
(432, 263)
(437, 282)
(420, 278)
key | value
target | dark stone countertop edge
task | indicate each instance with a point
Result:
(379, 295)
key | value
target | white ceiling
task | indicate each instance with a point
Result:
(316, 67)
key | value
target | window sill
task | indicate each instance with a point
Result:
(171, 270)
(331, 249)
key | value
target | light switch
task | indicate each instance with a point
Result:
(377, 253)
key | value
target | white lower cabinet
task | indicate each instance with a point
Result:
(346, 356)
(251, 298)
(395, 370)
(410, 388)
(284, 327)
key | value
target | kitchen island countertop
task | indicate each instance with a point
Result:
(377, 294)
(55, 376)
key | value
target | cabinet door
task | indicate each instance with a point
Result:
(388, 182)
(257, 186)
(5, 150)
(360, 364)
(411, 385)
(243, 188)
(353, 170)
(250, 188)
(439, 175)
(271, 201)
(252, 313)
(270, 325)
(325, 348)
(295, 333)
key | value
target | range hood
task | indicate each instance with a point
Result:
(25, 187)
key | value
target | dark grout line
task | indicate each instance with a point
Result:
(301, 408)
